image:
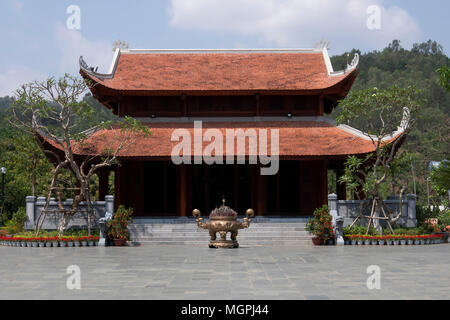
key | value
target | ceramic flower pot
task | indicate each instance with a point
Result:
(90, 243)
(360, 242)
(353, 242)
(76, 243)
(48, 244)
(381, 242)
(410, 241)
(41, 244)
(70, 243)
(367, 242)
(35, 244)
(84, 243)
(55, 243)
(121, 242)
(403, 242)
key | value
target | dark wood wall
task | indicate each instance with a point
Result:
(241, 105)
(160, 188)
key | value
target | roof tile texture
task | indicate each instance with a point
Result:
(221, 72)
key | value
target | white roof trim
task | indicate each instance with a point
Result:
(366, 136)
(112, 68)
(351, 66)
(327, 60)
(263, 50)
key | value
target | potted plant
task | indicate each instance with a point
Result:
(381, 240)
(402, 240)
(34, 242)
(55, 241)
(117, 226)
(69, 241)
(84, 241)
(76, 241)
(92, 240)
(410, 240)
(41, 242)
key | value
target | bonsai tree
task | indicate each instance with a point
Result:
(385, 117)
(117, 226)
(51, 109)
(321, 225)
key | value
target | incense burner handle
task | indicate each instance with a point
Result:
(196, 213)
(246, 221)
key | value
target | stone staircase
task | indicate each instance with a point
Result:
(263, 231)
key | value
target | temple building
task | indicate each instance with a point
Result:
(286, 91)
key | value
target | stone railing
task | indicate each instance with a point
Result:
(349, 209)
(35, 205)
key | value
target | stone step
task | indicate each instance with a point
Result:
(201, 234)
(194, 226)
(248, 237)
(191, 220)
(241, 243)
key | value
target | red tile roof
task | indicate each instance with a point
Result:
(219, 71)
(297, 139)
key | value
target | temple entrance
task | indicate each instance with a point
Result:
(212, 183)
(160, 188)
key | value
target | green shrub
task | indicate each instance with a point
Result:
(356, 229)
(321, 224)
(17, 222)
(425, 213)
(444, 218)
(117, 226)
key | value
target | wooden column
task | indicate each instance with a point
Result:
(182, 188)
(324, 185)
(117, 187)
(341, 188)
(259, 191)
(103, 176)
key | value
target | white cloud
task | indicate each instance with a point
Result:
(12, 77)
(296, 23)
(73, 44)
(17, 5)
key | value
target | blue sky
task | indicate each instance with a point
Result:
(36, 42)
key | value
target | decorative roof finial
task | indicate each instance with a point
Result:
(223, 200)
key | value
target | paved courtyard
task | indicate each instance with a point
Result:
(183, 272)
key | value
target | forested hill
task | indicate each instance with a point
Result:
(394, 65)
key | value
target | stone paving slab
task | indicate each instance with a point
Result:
(199, 273)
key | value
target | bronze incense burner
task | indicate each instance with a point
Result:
(223, 220)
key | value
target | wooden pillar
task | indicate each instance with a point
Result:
(103, 176)
(166, 188)
(278, 190)
(341, 188)
(324, 185)
(181, 186)
(117, 186)
(259, 191)
(236, 186)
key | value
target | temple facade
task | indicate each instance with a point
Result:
(265, 98)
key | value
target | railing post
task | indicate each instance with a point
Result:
(338, 221)
(412, 221)
(30, 208)
(109, 203)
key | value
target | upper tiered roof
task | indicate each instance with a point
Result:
(199, 71)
